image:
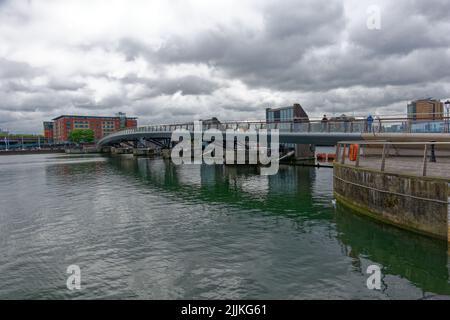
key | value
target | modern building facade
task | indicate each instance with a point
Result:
(425, 109)
(294, 113)
(102, 126)
(291, 118)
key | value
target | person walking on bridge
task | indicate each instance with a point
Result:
(369, 123)
(324, 123)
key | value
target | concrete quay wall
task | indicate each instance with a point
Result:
(415, 203)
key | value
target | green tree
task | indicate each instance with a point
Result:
(81, 136)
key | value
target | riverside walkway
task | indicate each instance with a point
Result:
(424, 159)
(408, 166)
(406, 184)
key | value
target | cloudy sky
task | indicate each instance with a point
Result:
(176, 60)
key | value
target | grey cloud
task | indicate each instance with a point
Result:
(32, 102)
(434, 9)
(88, 104)
(289, 31)
(315, 52)
(6, 117)
(130, 48)
(13, 69)
(65, 85)
(187, 85)
(312, 21)
(406, 26)
(12, 86)
(299, 48)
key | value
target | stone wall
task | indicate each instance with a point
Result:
(411, 202)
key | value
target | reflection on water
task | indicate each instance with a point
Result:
(421, 260)
(144, 228)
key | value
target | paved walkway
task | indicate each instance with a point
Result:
(407, 165)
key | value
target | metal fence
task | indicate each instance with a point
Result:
(310, 125)
(378, 125)
(413, 157)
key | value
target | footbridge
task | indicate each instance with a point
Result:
(301, 131)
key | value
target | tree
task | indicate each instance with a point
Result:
(81, 136)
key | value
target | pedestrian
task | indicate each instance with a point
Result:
(369, 123)
(346, 122)
(324, 123)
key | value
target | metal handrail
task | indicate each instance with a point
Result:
(353, 125)
(341, 148)
(352, 118)
(294, 124)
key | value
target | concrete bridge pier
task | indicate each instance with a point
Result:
(137, 152)
(165, 152)
(119, 150)
(305, 152)
(105, 149)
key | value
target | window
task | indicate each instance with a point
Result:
(108, 125)
(81, 124)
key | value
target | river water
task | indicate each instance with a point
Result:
(146, 229)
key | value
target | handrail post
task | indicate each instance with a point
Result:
(357, 156)
(338, 149)
(424, 168)
(383, 158)
(343, 154)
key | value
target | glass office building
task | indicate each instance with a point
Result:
(292, 118)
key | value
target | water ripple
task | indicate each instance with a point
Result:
(141, 228)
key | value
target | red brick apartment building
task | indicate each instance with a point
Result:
(102, 126)
(48, 131)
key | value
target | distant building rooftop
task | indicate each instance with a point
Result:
(297, 112)
(91, 117)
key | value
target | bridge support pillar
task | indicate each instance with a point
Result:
(304, 152)
(120, 150)
(106, 149)
(165, 153)
(144, 152)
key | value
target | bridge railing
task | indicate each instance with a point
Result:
(400, 125)
(428, 158)
(334, 125)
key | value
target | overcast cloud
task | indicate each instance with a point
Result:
(176, 60)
